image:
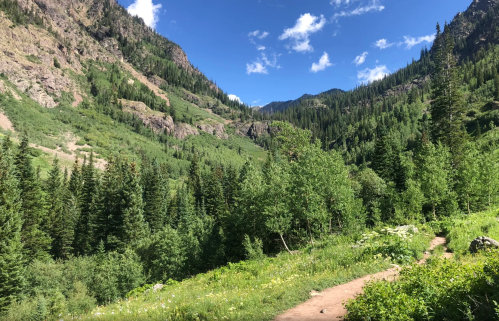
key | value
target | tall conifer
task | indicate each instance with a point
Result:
(36, 242)
(447, 107)
(135, 227)
(11, 257)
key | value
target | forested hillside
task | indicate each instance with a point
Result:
(351, 122)
(121, 166)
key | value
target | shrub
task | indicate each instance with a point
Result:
(56, 63)
(441, 290)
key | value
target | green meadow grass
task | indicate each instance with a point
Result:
(259, 289)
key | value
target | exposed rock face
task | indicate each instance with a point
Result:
(418, 83)
(217, 129)
(179, 57)
(158, 121)
(482, 243)
(182, 130)
(111, 44)
(253, 130)
(157, 81)
(155, 120)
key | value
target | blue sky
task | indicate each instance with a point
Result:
(277, 50)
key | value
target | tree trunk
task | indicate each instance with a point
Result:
(283, 242)
(468, 198)
(434, 213)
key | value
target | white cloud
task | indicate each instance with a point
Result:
(411, 41)
(258, 34)
(341, 2)
(383, 44)
(146, 10)
(260, 65)
(369, 75)
(261, 48)
(254, 33)
(359, 60)
(235, 98)
(306, 25)
(323, 63)
(263, 35)
(372, 6)
(256, 67)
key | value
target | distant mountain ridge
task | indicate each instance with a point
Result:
(283, 105)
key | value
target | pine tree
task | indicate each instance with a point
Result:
(62, 229)
(108, 226)
(195, 183)
(383, 158)
(135, 227)
(84, 227)
(11, 257)
(36, 242)
(156, 197)
(214, 195)
(447, 107)
(496, 86)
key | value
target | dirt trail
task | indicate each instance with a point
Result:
(330, 301)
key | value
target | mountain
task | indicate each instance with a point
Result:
(277, 106)
(352, 121)
(85, 75)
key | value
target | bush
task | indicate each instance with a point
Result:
(441, 290)
(56, 63)
(75, 286)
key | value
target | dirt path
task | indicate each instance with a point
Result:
(328, 305)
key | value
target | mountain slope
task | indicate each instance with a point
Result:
(74, 69)
(353, 120)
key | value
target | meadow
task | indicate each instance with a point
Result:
(462, 288)
(261, 288)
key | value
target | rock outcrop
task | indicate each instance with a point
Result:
(253, 130)
(483, 243)
(217, 129)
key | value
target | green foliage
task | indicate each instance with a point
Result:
(33, 59)
(256, 289)
(11, 277)
(56, 63)
(441, 290)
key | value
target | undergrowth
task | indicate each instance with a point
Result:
(261, 289)
(463, 288)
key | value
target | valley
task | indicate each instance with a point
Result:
(133, 187)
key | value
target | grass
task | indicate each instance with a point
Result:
(260, 289)
(462, 230)
(107, 137)
(462, 288)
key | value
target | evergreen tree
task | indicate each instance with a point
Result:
(496, 86)
(195, 183)
(36, 242)
(84, 227)
(156, 197)
(214, 195)
(11, 257)
(447, 107)
(135, 227)
(108, 226)
(383, 158)
(62, 228)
